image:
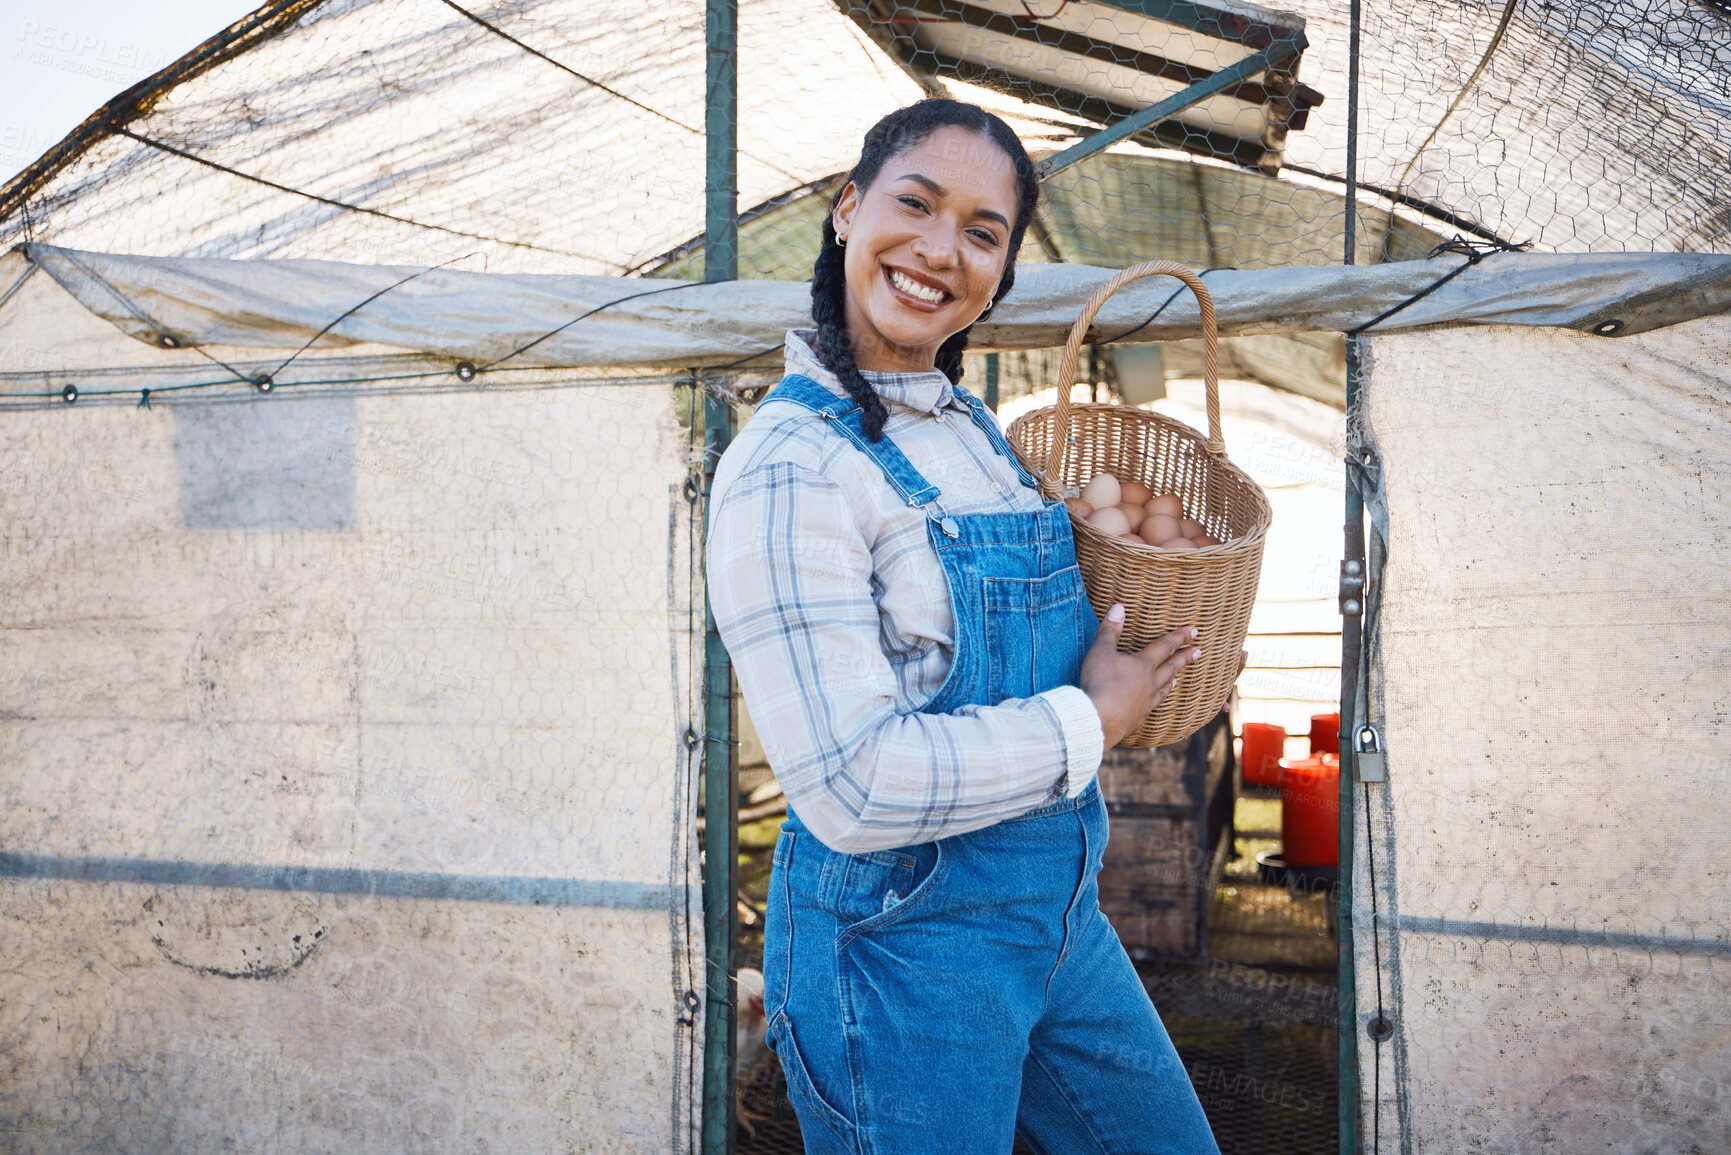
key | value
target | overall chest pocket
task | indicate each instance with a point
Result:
(1037, 630)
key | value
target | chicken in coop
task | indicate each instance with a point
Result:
(755, 1062)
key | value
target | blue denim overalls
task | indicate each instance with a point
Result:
(941, 997)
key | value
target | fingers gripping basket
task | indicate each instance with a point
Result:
(1212, 588)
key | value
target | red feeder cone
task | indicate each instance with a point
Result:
(1325, 734)
(1310, 811)
(1263, 746)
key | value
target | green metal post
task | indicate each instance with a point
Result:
(992, 382)
(720, 770)
(1351, 648)
(721, 130)
(1351, 651)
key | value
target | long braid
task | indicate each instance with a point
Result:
(834, 346)
(901, 130)
(949, 356)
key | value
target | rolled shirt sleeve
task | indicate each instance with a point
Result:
(791, 581)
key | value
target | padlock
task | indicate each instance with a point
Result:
(1367, 755)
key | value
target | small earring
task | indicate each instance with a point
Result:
(840, 241)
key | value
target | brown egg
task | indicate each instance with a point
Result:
(1134, 492)
(1168, 504)
(1205, 540)
(1110, 520)
(1179, 543)
(1158, 529)
(1192, 529)
(1102, 491)
(1078, 507)
(1134, 512)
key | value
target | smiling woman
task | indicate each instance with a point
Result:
(908, 624)
(933, 245)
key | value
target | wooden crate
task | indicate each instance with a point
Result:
(1171, 814)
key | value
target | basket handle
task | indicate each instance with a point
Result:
(1073, 347)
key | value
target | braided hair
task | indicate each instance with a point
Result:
(894, 134)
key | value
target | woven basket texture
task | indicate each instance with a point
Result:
(1213, 588)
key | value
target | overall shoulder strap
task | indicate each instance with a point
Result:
(808, 394)
(843, 414)
(988, 423)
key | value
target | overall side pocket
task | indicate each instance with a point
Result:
(856, 887)
(808, 1102)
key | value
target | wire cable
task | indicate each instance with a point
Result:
(1473, 251)
(613, 92)
(590, 313)
(347, 313)
(345, 205)
(1490, 50)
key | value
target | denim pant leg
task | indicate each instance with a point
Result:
(903, 1031)
(1102, 1074)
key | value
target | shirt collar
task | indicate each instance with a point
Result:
(927, 392)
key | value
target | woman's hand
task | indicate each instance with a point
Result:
(1125, 688)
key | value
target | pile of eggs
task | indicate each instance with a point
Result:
(1131, 511)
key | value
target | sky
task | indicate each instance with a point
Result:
(61, 59)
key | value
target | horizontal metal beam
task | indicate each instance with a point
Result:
(1275, 54)
(1211, 20)
(917, 14)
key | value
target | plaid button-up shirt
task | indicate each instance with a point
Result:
(837, 615)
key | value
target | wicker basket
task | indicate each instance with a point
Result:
(1212, 588)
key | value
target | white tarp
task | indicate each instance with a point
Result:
(346, 795)
(1549, 914)
(483, 317)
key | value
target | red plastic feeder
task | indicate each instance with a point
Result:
(1263, 746)
(1325, 734)
(1310, 811)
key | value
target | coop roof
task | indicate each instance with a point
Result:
(567, 135)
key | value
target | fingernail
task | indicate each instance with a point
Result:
(1192, 632)
(1115, 614)
(1195, 655)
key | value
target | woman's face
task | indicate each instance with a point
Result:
(926, 245)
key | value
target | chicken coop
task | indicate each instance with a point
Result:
(372, 773)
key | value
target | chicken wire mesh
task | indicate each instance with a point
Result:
(1539, 899)
(349, 780)
(564, 136)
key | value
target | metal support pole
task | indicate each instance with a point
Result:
(1351, 650)
(1351, 647)
(1277, 53)
(721, 132)
(720, 770)
(992, 382)
(1351, 245)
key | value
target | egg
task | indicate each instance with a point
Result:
(1206, 540)
(1158, 529)
(1193, 529)
(1179, 543)
(1110, 520)
(1134, 512)
(1167, 504)
(1103, 491)
(1134, 492)
(1078, 507)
